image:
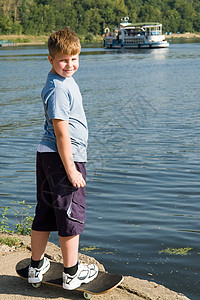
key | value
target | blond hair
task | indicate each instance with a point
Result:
(64, 41)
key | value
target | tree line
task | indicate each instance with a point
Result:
(38, 17)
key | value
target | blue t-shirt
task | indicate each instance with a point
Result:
(62, 100)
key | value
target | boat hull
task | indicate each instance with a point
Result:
(163, 44)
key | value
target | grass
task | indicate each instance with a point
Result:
(42, 39)
(25, 39)
(10, 241)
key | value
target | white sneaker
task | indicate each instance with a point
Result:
(35, 275)
(85, 274)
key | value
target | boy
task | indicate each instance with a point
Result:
(61, 161)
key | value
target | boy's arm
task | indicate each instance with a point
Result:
(61, 129)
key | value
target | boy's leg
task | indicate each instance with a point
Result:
(75, 273)
(39, 241)
(69, 246)
(39, 264)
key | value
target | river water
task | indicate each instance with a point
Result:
(143, 166)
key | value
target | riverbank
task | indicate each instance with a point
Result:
(13, 287)
(186, 35)
(23, 40)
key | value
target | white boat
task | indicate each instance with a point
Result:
(140, 35)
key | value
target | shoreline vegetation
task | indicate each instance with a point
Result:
(22, 40)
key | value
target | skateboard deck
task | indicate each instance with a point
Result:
(103, 283)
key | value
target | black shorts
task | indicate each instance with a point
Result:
(60, 206)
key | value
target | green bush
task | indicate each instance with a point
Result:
(23, 219)
(89, 37)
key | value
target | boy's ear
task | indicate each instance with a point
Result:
(50, 58)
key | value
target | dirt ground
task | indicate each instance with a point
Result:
(13, 287)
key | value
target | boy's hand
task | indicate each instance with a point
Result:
(76, 178)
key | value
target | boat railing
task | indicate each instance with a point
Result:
(107, 32)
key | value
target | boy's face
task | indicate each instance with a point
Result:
(64, 65)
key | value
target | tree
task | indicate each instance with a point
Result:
(187, 14)
(95, 21)
(149, 13)
(5, 25)
(172, 22)
(91, 16)
(196, 23)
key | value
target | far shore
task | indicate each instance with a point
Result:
(21, 40)
(186, 35)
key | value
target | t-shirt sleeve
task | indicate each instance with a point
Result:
(58, 105)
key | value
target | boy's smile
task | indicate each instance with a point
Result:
(64, 65)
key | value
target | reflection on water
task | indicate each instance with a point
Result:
(142, 107)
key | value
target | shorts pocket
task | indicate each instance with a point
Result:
(76, 212)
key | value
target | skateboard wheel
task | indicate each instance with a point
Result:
(36, 285)
(87, 296)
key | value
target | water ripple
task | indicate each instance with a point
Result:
(143, 155)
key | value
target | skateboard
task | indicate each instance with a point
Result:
(103, 283)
